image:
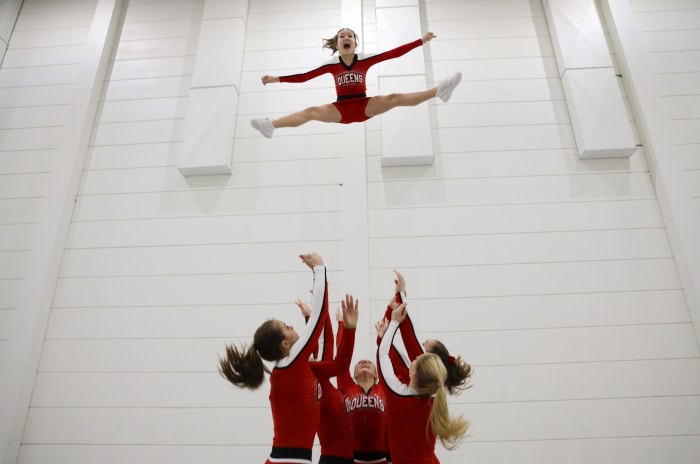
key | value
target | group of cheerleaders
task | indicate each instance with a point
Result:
(391, 413)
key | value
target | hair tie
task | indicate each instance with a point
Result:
(451, 359)
(440, 384)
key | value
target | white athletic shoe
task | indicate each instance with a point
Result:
(264, 126)
(446, 87)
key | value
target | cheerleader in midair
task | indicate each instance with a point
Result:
(349, 71)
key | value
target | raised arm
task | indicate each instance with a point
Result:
(341, 363)
(305, 345)
(384, 364)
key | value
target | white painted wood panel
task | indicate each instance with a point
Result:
(667, 20)
(143, 110)
(494, 191)
(9, 291)
(639, 6)
(156, 48)
(147, 390)
(499, 313)
(187, 289)
(679, 40)
(46, 19)
(571, 345)
(536, 382)
(39, 75)
(527, 421)
(134, 155)
(161, 87)
(286, 17)
(35, 116)
(152, 68)
(674, 61)
(475, 49)
(41, 138)
(166, 426)
(153, 11)
(50, 38)
(524, 312)
(23, 185)
(183, 260)
(477, 250)
(482, 9)
(282, 173)
(25, 161)
(36, 96)
(455, 28)
(44, 56)
(208, 202)
(507, 164)
(490, 348)
(20, 210)
(252, 228)
(124, 133)
(657, 450)
(582, 419)
(176, 322)
(15, 236)
(505, 138)
(154, 454)
(13, 264)
(144, 30)
(534, 279)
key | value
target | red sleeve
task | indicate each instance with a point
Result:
(328, 341)
(408, 334)
(400, 368)
(303, 77)
(344, 379)
(341, 363)
(393, 53)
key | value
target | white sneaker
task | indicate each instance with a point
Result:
(264, 126)
(446, 87)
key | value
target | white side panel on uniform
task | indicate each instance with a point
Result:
(596, 105)
(406, 131)
(213, 102)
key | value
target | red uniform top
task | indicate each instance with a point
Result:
(367, 410)
(351, 81)
(335, 429)
(411, 439)
(294, 391)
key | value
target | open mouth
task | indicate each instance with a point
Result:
(346, 46)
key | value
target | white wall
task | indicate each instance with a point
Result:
(553, 276)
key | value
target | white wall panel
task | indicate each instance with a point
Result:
(183, 260)
(207, 202)
(508, 163)
(160, 87)
(525, 218)
(17, 58)
(156, 48)
(511, 248)
(46, 19)
(509, 190)
(154, 454)
(657, 450)
(289, 173)
(149, 426)
(181, 290)
(145, 30)
(39, 38)
(543, 278)
(38, 75)
(36, 96)
(152, 68)
(289, 227)
(35, 116)
(540, 311)
(22, 185)
(20, 210)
